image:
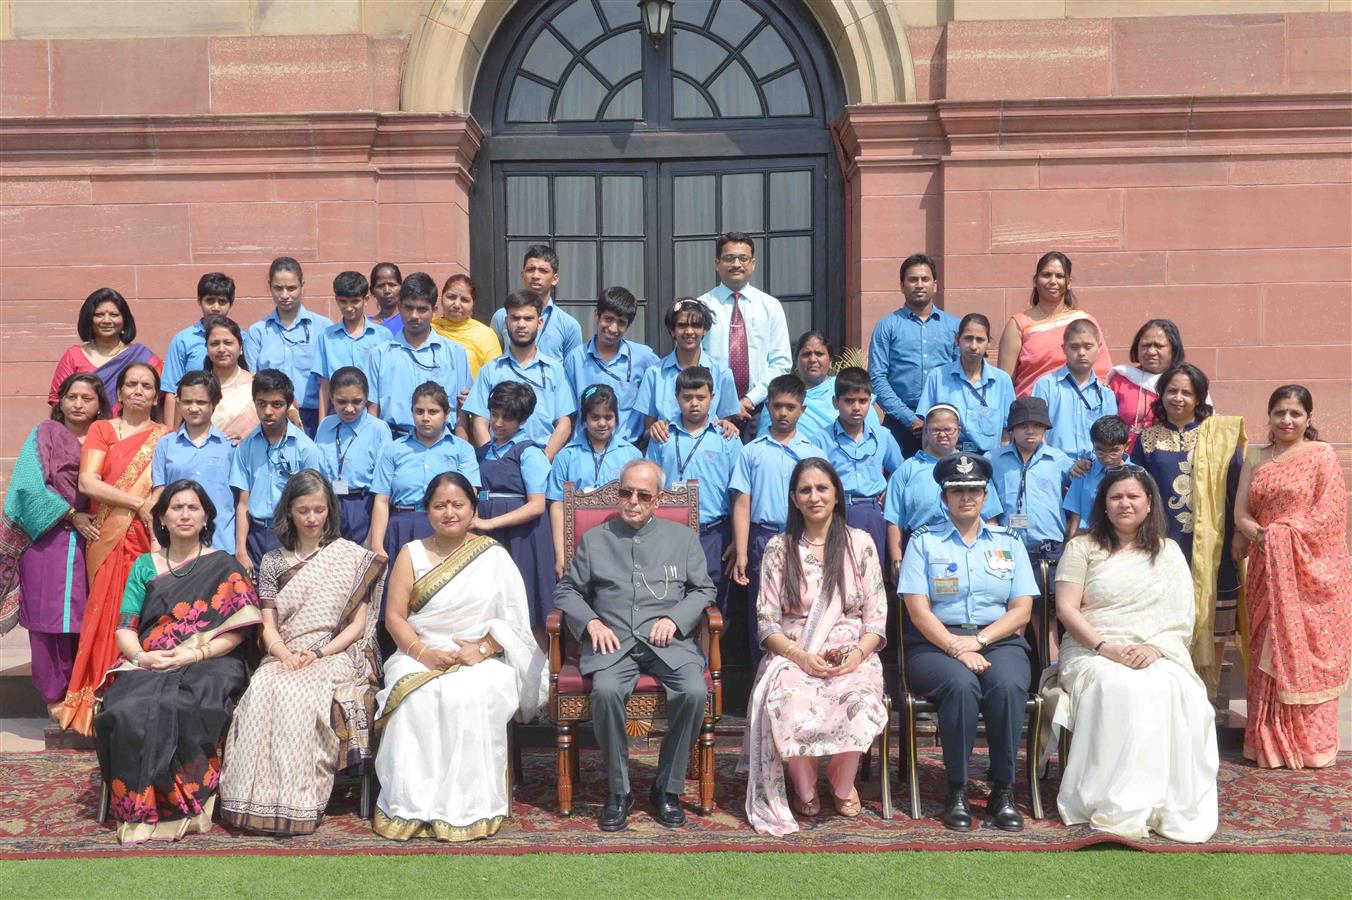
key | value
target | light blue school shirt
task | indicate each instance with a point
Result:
(863, 465)
(176, 456)
(819, 410)
(268, 344)
(983, 407)
(262, 468)
(406, 466)
(657, 393)
(1033, 490)
(533, 463)
(1074, 410)
(703, 455)
(584, 467)
(914, 499)
(544, 375)
(904, 349)
(1083, 490)
(187, 351)
(350, 451)
(397, 369)
(623, 374)
(337, 348)
(991, 572)
(559, 334)
(763, 471)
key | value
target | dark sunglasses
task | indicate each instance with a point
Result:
(628, 493)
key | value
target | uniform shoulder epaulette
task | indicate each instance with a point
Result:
(923, 529)
(998, 529)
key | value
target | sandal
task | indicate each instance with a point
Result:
(807, 808)
(849, 807)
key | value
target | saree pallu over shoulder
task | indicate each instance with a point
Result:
(1040, 351)
(1218, 439)
(127, 468)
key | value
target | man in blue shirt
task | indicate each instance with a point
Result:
(199, 452)
(550, 425)
(560, 334)
(188, 349)
(611, 360)
(416, 355)
(349, 342)
(1076, 398)
(287, 339)
(263, 461)
(906, 345)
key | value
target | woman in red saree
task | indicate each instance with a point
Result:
(1292, 521)
(115, 476)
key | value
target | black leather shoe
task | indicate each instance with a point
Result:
(667, 808)
(957, 814)
(1000, 810)
(616, 814)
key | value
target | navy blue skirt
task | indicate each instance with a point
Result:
(405, 525)
(354, 515)
(532, 548)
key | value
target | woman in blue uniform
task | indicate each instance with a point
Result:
(968, 589)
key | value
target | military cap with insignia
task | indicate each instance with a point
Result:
(963, 470)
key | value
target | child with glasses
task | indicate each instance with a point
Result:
(1110, 435)
(688, 321)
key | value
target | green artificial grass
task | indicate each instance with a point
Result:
(1099, 872)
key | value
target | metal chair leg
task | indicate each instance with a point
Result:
(1034, 744)
(885, 761)
(105, 800)
(912, 760)
(368, 792)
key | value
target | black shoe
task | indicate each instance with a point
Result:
(616, 814)
(667, 808)
(957, 814)
(1000, 810)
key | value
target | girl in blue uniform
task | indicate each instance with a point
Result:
(350, 442)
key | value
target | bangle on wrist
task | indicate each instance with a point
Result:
(1099, 645)
(274, 644)
(136, 658)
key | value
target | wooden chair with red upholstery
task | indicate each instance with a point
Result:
(570, 691)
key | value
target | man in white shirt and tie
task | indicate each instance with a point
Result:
(749, 334)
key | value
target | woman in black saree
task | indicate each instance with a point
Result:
(181, 632)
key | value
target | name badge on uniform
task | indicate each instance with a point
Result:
(1018, 521)
(999, 562)
(946, 586)
(340, 487)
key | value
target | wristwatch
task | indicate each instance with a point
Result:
(483, 650)
(982, 640)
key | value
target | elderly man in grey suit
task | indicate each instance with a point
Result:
(633, 596)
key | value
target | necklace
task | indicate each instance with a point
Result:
(307, 557)
(437, 546)
(230, 382)
(174, 572)
(806, 540)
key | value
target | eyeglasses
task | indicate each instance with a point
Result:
(945, 432)
(1123, 467)
(628, 493)
(730, 258)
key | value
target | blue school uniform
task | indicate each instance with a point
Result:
(863, 467)
(1032, 490)
(349, 453)
(187, 351)
(402, 473)
(584, 467)
(510, 471)
(1080, 496)
(1073, 410)
(262, 468)
(559, 335)
(624, 374)
(544, 375)
(913, 496)
(657, 392)
(982, 407)
(819, 411)
(398, 368)
(268, 344)
(337, 348)
(208, 464)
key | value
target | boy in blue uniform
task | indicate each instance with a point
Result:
(199, 452)
(560, 334)
(188, 349)
(350, 341)
(416, 355)
(688, 321)
(551, 424)
(611, 360)
(863, 453)
(1110, 435)
(263, 461)
(1076, 398)
(760, 482)
(350, 442)
(696, 449)
(288, 337)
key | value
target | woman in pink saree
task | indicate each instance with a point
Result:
(1291, 517)
(1030, 346)
(822, 614)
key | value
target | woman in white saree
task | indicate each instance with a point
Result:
(467, 663)
(1143, 753)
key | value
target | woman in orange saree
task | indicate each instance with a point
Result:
(115, 476)
(1030, 346)
(1292, 521)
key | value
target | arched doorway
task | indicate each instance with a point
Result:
(630, 158)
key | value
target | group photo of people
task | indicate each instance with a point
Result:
(277, 553)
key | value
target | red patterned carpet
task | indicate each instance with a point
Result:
(47, 809)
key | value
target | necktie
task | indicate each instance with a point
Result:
(739, 357)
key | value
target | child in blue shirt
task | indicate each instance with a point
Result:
(697, 449)
(350, 443)
(1076, 398)
(188, 349)
(611, 360)
(688, 321)
(1110, 435)
(287, 338)
(350, 341)
(199, 452)
(978, 390)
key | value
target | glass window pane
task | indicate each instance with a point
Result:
(627, 104)
(580, 98)
(547, 57)
(734, 94)
(578, 23)
(527, 204)
(786, 95)
(798, 317)
(767, 52)
(695, 55)
(790, 200)
(585, 313)
(743, 205)
(575, 204)
(693, 268)
(734, 21)
(638, 329)
(529, 102)
(689, 103)
(622, 264)
(693, 205)
(791, 266)
(577, 274)
(622, 204)
(618, 56)
(695, 12)
(620, 12)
